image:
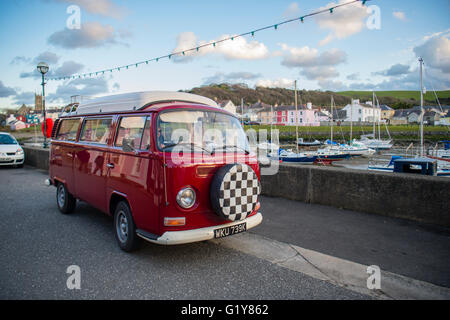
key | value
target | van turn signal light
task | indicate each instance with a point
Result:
(174, 222)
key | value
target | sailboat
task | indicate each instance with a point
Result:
(370, 140)
(302, 143)
(331, 152)
(296, 157)
(355, 148)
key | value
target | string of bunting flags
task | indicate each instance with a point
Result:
(213, 44)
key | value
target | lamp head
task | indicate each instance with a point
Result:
(42, 67)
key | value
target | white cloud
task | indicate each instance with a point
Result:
(314, 65)
(86, 87)
(6, 91)
(435, 53)
(220, 77)
(395, 70)
(48, 57)
(101, 7)
(310, 57)
(353, 76)
(343, 22)
(278, 83)
(400, 15)
(237, 49)
(90, 35)
(320, 72)
(292, 10)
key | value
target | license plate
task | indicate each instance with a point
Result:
(229, 231)
(4, 159)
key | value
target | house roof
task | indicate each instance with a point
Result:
(385, 107)
(401, 113)
(224, 103)
(260, 105)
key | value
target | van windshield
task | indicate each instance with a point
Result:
(200, 131)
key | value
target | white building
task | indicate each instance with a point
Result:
(362, 112)
(228, 105)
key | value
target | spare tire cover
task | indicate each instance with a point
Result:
(234, 191)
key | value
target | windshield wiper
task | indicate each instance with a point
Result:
(187, 144)
(230, 146)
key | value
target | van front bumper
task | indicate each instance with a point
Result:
(202, 234)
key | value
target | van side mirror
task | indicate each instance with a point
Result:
(126, 146)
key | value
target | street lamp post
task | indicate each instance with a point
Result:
(43, 69)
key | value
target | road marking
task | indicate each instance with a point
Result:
(344, 273)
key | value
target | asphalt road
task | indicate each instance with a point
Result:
(38, 244)
(411, 249)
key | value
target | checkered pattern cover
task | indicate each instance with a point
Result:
(239, 192)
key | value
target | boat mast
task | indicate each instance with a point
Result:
(242, 111)
(378, 119)
(373, 113)
(296, 114)
(351, 123)
(421, 107)
(332, 120)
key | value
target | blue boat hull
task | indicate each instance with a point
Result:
(299, 159)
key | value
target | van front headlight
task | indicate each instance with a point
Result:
(186, 198)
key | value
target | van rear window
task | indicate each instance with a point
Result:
(96, 130)
(68, 129)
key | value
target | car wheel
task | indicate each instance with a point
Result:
(124, 227)
(65, 201)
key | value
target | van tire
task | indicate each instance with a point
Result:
(125, 228)
(66, 202)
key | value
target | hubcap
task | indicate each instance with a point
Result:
(61, 196)
(122, 226)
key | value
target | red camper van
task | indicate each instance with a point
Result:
(170, 167)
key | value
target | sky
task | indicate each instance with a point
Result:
(371, 47)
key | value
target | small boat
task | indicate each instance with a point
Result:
(328, 155)
(356, 149)
(375, 144)
(292, 157)
(301, 142)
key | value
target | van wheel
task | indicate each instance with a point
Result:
(124, 227)
(66, 202)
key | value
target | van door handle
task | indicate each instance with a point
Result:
(110, 165)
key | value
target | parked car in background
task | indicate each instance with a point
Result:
(11, 153)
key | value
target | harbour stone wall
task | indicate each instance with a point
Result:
(400, 195)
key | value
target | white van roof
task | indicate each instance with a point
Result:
(136, 101)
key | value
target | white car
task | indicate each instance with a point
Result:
(11, 153)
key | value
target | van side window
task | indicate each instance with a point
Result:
(146, 136)
(130, 129)
(68, 129)
(96, 130)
